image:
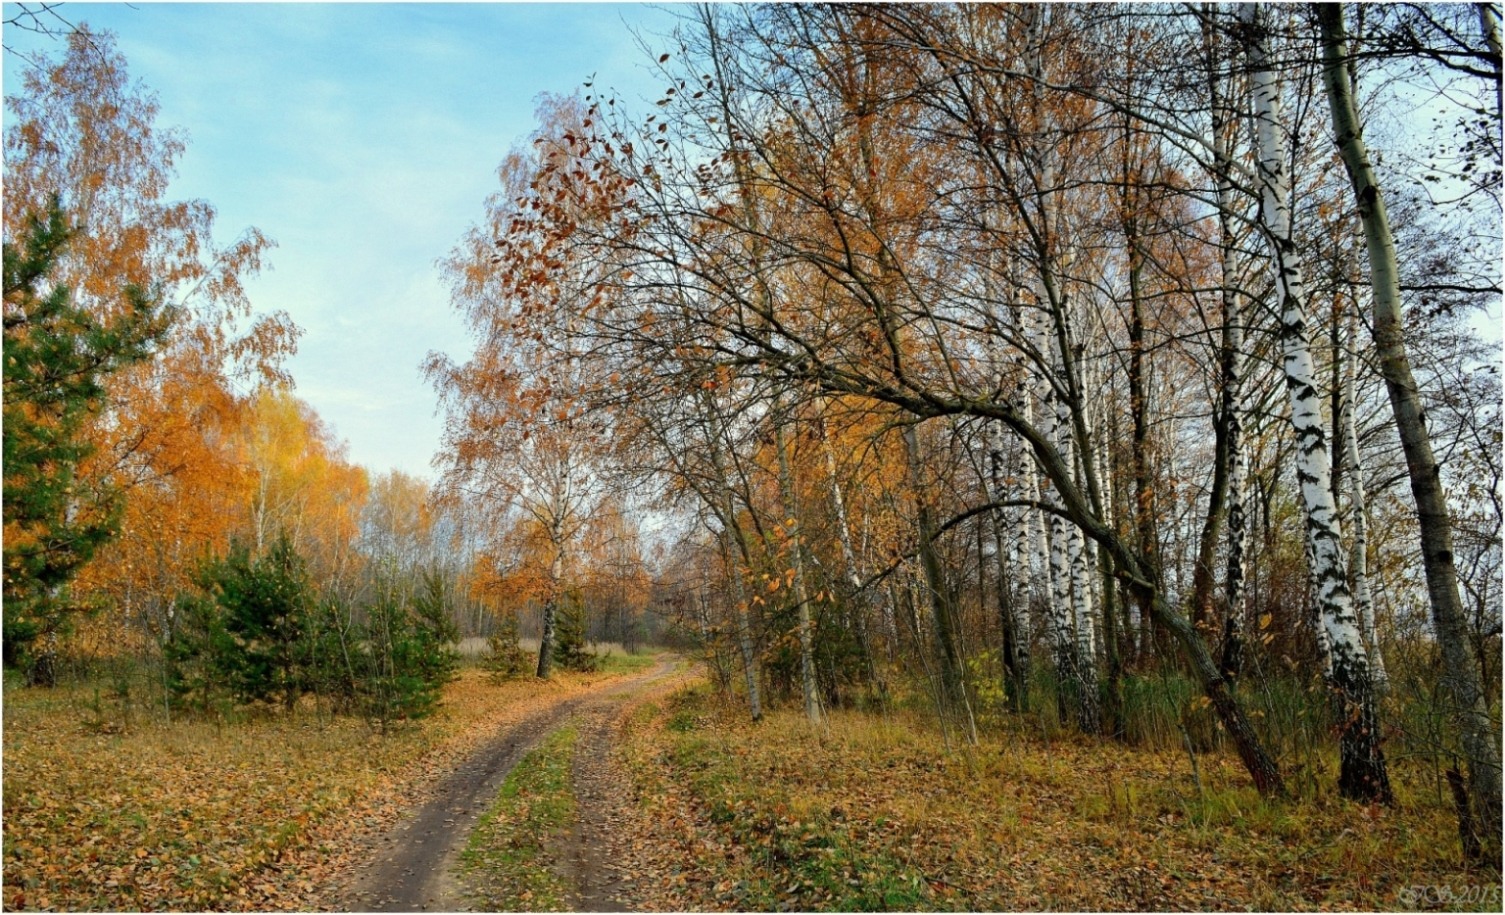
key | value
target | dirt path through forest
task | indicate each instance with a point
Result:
(595, 857)
(412, 866)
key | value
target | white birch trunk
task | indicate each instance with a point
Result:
(1077, 589)
(551, 607)
(1363, 767)
(1076, 559)
(1470, 705)
(1035, 532)
(1062, 628)
(1012, 557)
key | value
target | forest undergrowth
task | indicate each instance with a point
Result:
(868, 813)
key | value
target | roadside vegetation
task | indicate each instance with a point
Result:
(867, 812)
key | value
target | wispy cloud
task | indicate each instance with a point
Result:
(364, 139)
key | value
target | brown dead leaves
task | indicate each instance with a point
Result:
(869, 814)
(261, 815)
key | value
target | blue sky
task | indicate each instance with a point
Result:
(363, 138)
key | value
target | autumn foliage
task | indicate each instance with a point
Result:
(1010, 406)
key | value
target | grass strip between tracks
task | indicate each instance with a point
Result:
(507, 862)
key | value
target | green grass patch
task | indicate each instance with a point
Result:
(614, 662)
(507, 861)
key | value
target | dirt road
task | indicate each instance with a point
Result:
(412, 867)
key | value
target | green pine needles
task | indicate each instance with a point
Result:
(256, 634)
(58, 358)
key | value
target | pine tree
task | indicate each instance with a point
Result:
(570, 649)
(57, 357)
(266, 603)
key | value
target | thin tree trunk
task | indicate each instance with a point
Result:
(732, 535)
(943, 616)
(855, 597)
(1229, 477)
(1139, 442)
(550, 611)
(805, 625)
(1212, 520)
(1470, 710)
(1363, 598)
(708, 637)
(1363, 774)
(739, 616)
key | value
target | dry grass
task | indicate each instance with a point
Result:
(868, 813)
(476, 647)
(864, 813)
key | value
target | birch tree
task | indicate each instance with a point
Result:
(1481, 743)
(1363, 773)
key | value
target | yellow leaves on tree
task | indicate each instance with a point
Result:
(83, 131)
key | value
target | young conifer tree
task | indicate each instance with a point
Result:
(57, 357)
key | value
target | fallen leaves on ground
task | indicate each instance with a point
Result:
(869, 813)
(266, 814)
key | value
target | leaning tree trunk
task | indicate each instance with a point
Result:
(1362, 774)
(1136, 575)
(1469, 708)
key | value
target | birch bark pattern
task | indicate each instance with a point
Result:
(1034, 537)
(550, 615)
(1059, 618)
(1362, 773)
(1469, 709)
(1071, 608)
(1013, 616)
